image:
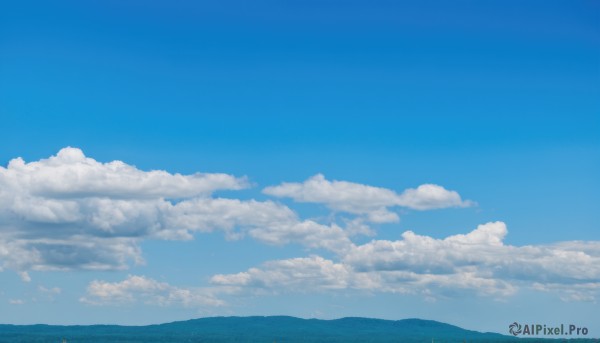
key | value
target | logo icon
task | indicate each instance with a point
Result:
(514, 328)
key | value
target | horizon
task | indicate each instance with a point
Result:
(234, 316)
(253, 328)
(330, 159)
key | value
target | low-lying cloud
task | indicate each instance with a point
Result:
(149, 291)
(478, 262)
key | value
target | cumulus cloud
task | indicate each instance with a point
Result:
(136, 289)
(372, 202)
(477, 262)
(72, 212)
(482, 250)
(430, 196)
(426, 254)
(316, 274)
(71, 174)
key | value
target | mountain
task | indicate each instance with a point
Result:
(254, 329)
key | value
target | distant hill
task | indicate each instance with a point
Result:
(254, 329)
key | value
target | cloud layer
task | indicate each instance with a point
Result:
(476, 263)
(71, 212)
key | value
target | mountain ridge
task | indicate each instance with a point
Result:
(255, 329)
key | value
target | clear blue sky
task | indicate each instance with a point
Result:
(495, 100)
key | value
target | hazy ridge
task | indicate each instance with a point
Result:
(257, 329)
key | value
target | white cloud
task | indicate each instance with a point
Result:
(478, 262)
(266, 221)
(483, 252)
(72, 212)
(70, 174)
(136, 289)
(430, 196)
(307, 233)
(207, 214)
(316, 274)
(340, 196)
(293, 275)
(425, 254)
(372, 202)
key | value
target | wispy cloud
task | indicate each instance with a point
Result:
(25, 276)
(149, 291)
(16, 301)
(360, 199)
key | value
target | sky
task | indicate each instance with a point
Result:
(163, 161)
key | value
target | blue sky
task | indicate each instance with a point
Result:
(494, 102)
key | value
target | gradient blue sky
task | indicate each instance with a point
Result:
(496, 100)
